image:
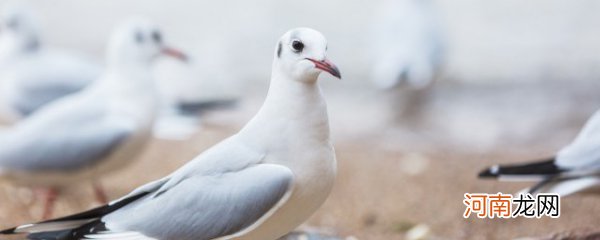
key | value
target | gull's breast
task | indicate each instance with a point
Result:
(314, 176)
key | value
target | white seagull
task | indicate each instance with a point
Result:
(31, 74)
(407, 44)
(260, 183)
(575, 168)
(99, 129)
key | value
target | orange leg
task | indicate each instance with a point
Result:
(99, 193)
(50, 195)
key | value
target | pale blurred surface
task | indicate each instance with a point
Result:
(520, 79)
(499, 40)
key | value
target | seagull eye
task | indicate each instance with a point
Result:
(297, 46)
(157, 37)
(13, 24)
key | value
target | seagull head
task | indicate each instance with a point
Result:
(139, 41)
(301, 53)
(18, 29)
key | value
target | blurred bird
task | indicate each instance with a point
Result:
(574, 169)
(181, 120)
(100, 129)
(31, 74)
(407, 44)
(259, 184)
(191, 90)
(187, 95)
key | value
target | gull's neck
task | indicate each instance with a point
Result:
(122, 63)
(129, 75)
(291, 106)
(129, 87)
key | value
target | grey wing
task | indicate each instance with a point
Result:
(55, 76)
(44, 147)
(205, 207)
(28, 101)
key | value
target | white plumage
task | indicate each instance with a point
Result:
(97, 130)
(260, 183)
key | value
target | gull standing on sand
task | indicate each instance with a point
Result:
(407, 49)
(407, 44)
(260, 183)
(574, 169)
(31, 74)
(99, 129)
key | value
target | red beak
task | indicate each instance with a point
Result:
(174, 53)
(327, 66)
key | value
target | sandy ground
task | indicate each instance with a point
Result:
(389, 180)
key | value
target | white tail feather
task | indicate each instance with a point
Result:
(51, 226)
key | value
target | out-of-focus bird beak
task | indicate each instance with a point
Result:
(327, 66)
(172, 52)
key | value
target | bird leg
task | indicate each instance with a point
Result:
(99, 193)
(50, 195)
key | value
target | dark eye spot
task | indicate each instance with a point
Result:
(157, 37)
(139, 37)
(297, 46)
(13, 24)
(279, 49)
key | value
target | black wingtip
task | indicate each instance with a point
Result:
(546, 167)
(90, 227)
(195, 108)
(8, 231)
(70, 234)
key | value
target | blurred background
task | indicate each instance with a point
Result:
(516, 80)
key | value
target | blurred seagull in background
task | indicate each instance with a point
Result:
(188, 90)
(187, 94)
(407, 44)
(97, 130)
(180, 120)
(31, 74)
(575, 168)
(260, 183)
